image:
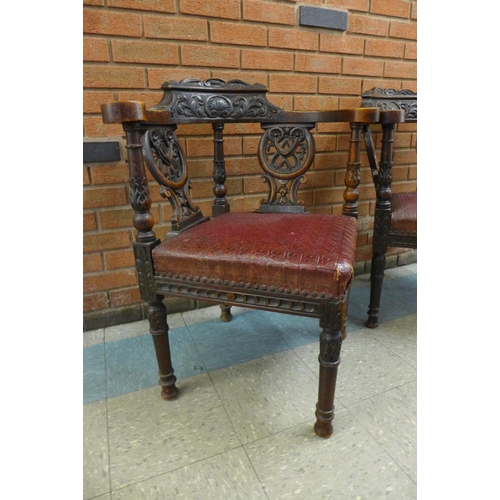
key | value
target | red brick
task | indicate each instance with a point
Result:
(89, 222)
(242, 128)
(92, 263)
(122, 217)
(205, 147)
(156, 77)
(93, 2)
(175, 28)
(86, 176)
(283, 101)
(360, 5)
(246, 76)
(113, 77)
(144, 52)
(411, 51)
(104, 197)
(119, 258)
(288, 38)
(302, 84)
(268, 12)
(238, 34)
(94, 127)
(341, 44)
(203, 55)
(315, 103)
(367, 25)
(95, 302)
(92, 100)
(394, 8)
(109, 174)
(104, 22)
(398, 69)
(317, 63)
(95, 49)
(148, 98)
(228, 9)
(267, 60)
(413, 11)
(106, 241)
(384, 48)
(109, 280)
(253, 185)
(339, 85)
(127, 296)
(399, 29)
(149, 5)
(368, 67)
(204, 188)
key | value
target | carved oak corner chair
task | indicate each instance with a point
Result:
(395, 223)
(278, 258)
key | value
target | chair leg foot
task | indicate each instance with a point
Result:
(323, 429)
(225, 315)
(372, 321)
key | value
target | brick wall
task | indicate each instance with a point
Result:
(132, 46)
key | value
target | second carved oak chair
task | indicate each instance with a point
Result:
(395, 223)
(277, 258)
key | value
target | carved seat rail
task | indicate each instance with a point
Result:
(278, 258)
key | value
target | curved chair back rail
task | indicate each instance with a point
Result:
(278, 258)
(395, 222)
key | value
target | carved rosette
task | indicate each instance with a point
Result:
(164, 158)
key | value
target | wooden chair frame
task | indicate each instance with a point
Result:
(152, 144)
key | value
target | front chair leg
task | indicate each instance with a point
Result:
(159, 330)
(329, 360)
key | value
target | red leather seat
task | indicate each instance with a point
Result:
(307, 254)
(404, 212)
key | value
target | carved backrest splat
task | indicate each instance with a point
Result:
(285, 154)
(164, 158)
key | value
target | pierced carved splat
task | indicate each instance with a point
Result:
(164, 158)
(285, 154)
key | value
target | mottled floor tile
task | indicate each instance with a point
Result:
(296, 330)
(403, 289)
(400, 336)
(131, 363)
(367, 368)
(391, 305)
(95, 450)
(349, 465)
(149, 436)
(391, 418)
(93, 337)
(267, 395)
(94, 374)
(226, 476)
(209, 313)
(247, 336)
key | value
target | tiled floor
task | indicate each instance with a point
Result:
(242, 426)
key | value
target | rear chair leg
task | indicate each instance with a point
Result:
(159, 330)
(225, 314)
(377, 278)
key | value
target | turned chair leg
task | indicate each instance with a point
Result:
(225, 314)
(329, 360)
(377, 278)
(159, 330)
